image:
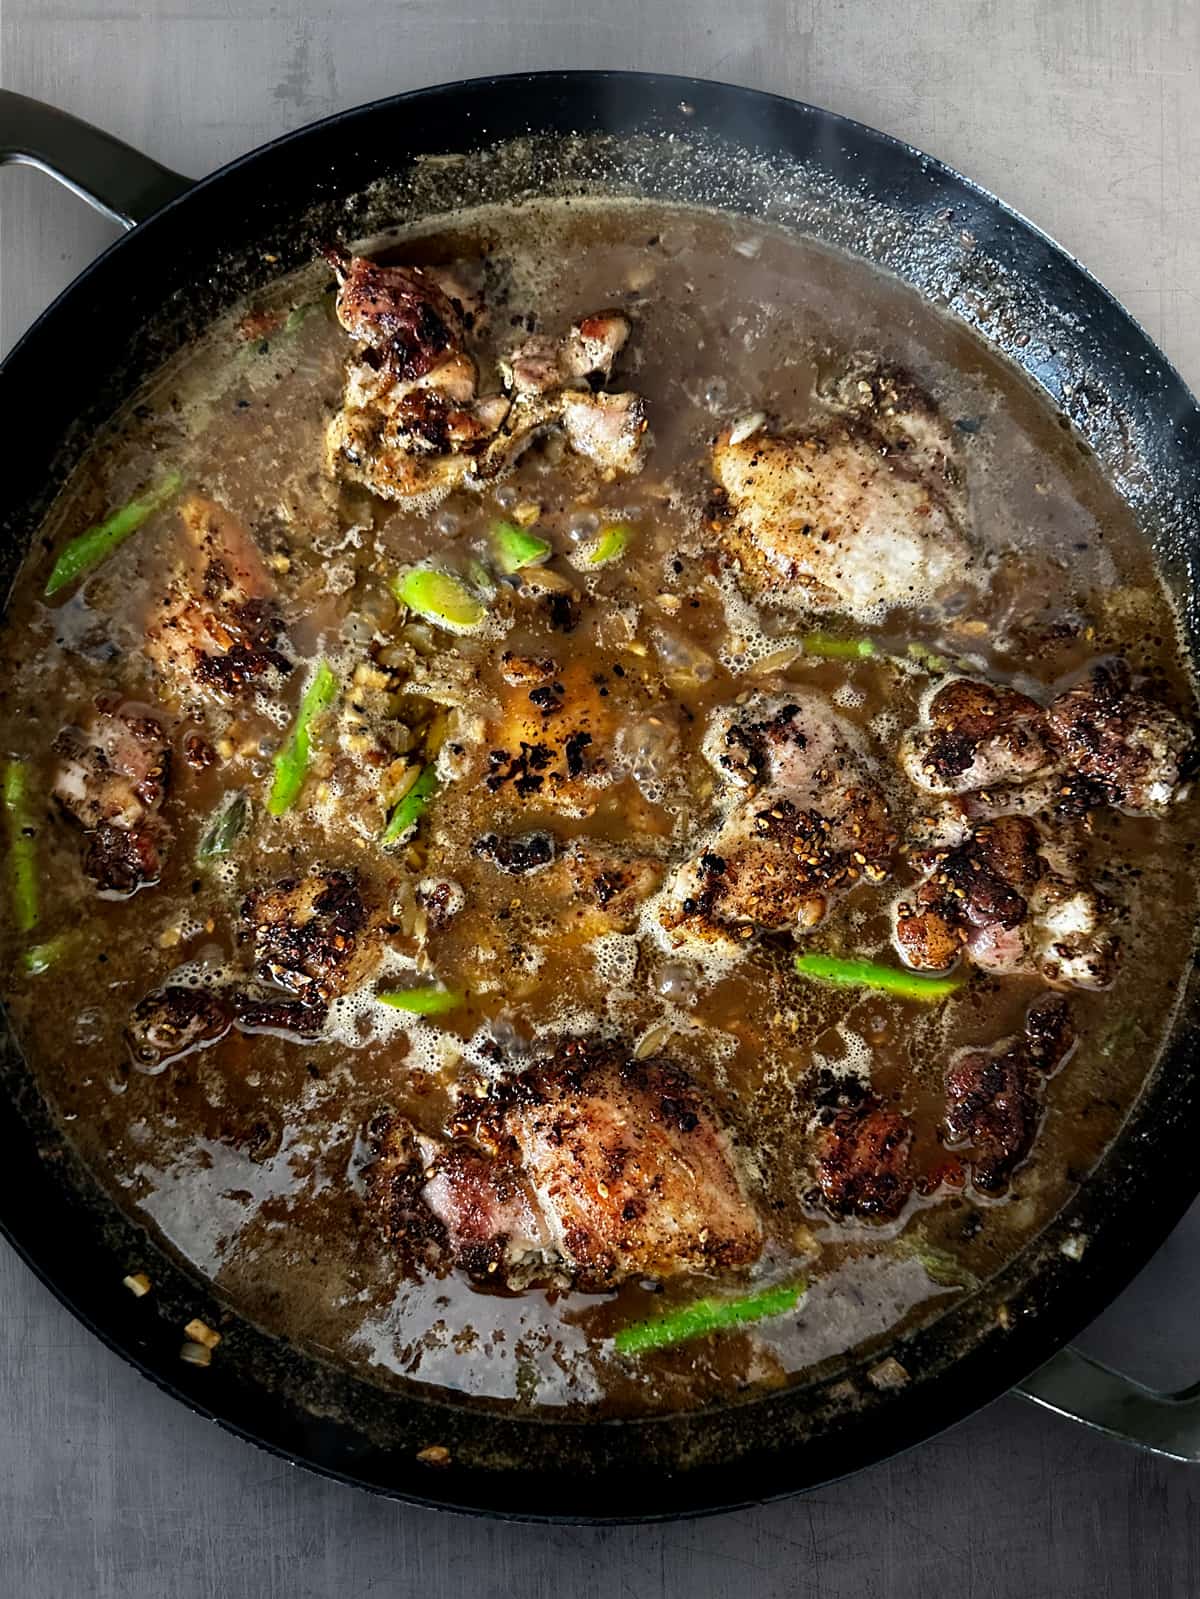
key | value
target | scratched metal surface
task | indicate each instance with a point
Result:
(1082, 113)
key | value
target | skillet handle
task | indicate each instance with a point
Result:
(1082, 1390)
(119, 181)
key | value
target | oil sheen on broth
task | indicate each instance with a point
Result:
(625, 750)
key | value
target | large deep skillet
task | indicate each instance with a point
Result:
(190, 251)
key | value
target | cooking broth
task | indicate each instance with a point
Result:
(251, 1155)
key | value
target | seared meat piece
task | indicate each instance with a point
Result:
(316, 936)
(585, 354)
(1009, 899)
(215, 628)
(175, 1020)
(557, 383)
(178, 1018)
(839, 516)
(633, 1172)
(1131, 746)
(394, 1175)
(609, 429)
(591, 1168)
(413, 424)
(863, 1160)
(993, 1096)
(978, 735)
(411, 414)
(812, 823)
(493, 1223)
(904, 417)
(112, 780)
(527, 852)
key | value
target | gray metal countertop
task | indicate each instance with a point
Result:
(1084, 115)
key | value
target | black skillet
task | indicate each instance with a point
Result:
(194, 248)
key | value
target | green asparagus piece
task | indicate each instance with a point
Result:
(609, 545)
(440, 597)
(98, 543)
(513, 547)
(410, 808)
(21, 852)
(838, 649)
(431, 1001)
(870, 974)
(291, 764)
(706, 1316)
(39, 958)
(225, 827)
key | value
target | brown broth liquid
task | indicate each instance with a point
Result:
(246, 1157)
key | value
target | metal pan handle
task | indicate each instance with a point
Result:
(119, 181)
(1082, 1390)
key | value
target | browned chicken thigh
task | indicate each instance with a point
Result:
(214, 630)
(589, 1167)
(806, 821)
(993, 1096)
(413, 426)
(858, 514)
(112, 778)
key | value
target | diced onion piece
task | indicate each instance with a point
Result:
(201, 1333)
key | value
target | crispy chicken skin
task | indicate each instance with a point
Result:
(841, 515)
(1131, 746)
(863, 1160)
(214, 630)
(1103, 739)
(413, 425)
(994, 1095)
(978, 735)
(905, 418)
(315, 937)
(550, 744)
(1007, 897)
(591, 1167)
(112, 779)
(310, 939)
(807, 821)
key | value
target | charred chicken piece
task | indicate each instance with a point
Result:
(411, 414)
(979, 735)
(112, 779)
(1007, 897)
(413, 425)
(896, 408)
(863, 1160)
(215, 630)
(1134, 748)
(314, 937)
(173, 1021)
(591, 1168)
(841, 515)
(994, 1096)
(811, 822)
(549, 746)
